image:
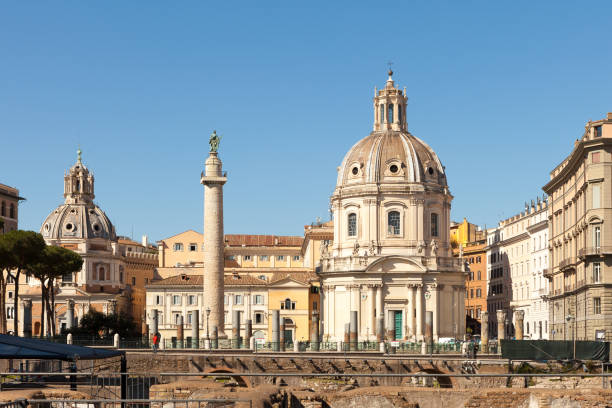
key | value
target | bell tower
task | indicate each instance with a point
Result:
(78, 183)
(390, 107)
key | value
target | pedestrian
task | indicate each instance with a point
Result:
(156, 338)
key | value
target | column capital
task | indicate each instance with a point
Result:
(501, 315)
(26, 302)
(519, 314)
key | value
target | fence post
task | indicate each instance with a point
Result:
(69, 338)
(73, 379)
(116, 340)
(123, 379)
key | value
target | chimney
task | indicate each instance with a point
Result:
(145, 241)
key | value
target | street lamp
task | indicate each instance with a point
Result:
(207, 332)
(569, 318)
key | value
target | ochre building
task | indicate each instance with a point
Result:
(580, 239)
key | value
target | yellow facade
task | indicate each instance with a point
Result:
(181, 249)
(463, 233)
(295, 293)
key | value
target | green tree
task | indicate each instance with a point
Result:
(95, 323)
(54, 262)
(22, 248)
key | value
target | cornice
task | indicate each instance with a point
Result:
(575, 157)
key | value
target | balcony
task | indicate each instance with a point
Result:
(567, 263)
(547, 272)
(594, 251)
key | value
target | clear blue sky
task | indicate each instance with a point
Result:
(499, 90)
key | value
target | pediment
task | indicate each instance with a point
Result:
(396, 264)
(288, 283)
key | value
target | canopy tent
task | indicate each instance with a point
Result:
(13, 347)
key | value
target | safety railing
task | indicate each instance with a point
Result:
(135, 403)
(597, 250)
(109, 387)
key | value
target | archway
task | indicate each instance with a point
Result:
(242, 381)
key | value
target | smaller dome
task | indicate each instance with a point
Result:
(79, 221)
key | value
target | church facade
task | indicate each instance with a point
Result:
(391, 260)
(80, 225)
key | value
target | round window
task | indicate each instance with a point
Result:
(69, 226)
(355, 170)
(96, 227)
(393, 169)
(46, 227)
(430, 171)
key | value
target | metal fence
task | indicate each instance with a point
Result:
(394, 347)
(128, 403)
(106, 386)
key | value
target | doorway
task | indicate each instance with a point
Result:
(398, 324)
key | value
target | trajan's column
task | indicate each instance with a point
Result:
(213, 179)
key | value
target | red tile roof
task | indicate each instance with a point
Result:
(262, 240)
(198, 280)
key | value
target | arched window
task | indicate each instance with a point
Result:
(3, 210)
(382, 113)
(352, 224)
(399, 113)
(393, 222)
(12, 211)
(390, 114)
(434, 224)
(288, 304)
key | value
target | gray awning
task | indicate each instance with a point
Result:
(28, 348)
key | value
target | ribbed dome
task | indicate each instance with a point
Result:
(78, 221)
(391, 157)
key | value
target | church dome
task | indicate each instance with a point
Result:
(82, 221)
(391, 156)
(78, 217)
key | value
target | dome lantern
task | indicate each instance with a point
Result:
(78, 183)
(390, 107)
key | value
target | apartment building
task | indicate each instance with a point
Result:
(580, 241)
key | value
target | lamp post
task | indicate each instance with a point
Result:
(569, 318)
(207, 332)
